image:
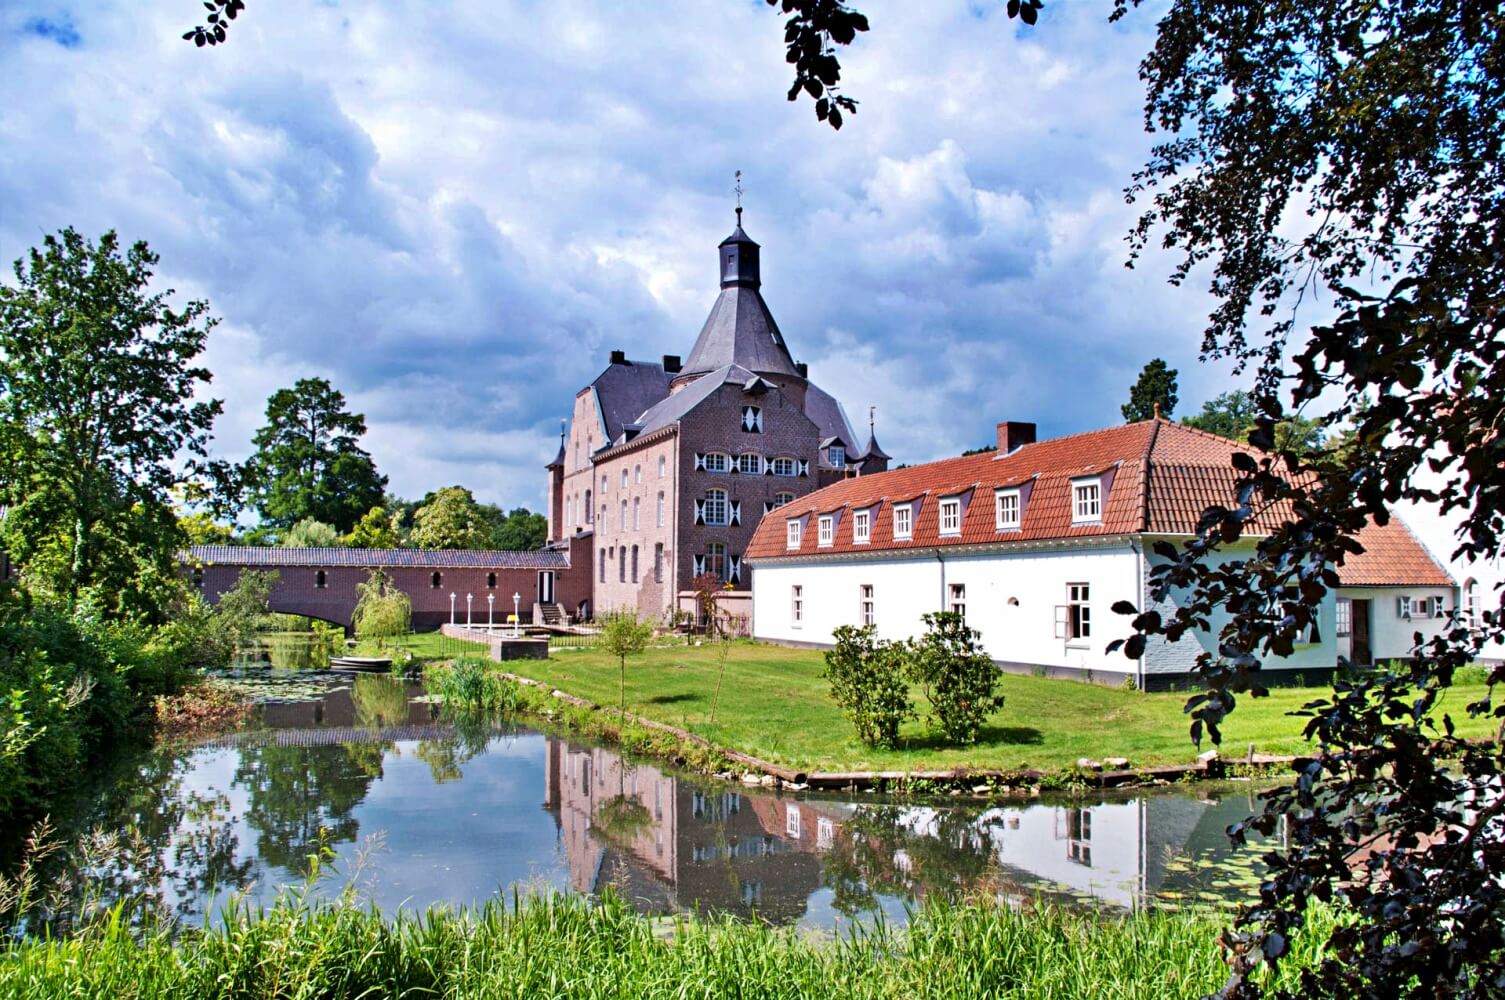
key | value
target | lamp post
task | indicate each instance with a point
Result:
(468, 599)
(451, 607)
(516, 612)
(490, 609)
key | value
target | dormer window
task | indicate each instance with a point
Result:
(827, 531)
(951, 516)
(860, 527)
(903, 522)
(793, 532)
(752, 419)
(1007, 510)
(838, 454)
(1086, 501)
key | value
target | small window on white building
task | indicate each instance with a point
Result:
(1006, 510)
(902, 522)
(860, 527)
(866, 604)
(796, 605)
(1074, 618)
(827, 530)
(718, 462)
(793, 530)
(1471, 604)
(752, 419)
(1086, 501)
(784, 467)
(951, 516)
(1344, 623)
(750, 463)
(958, 605)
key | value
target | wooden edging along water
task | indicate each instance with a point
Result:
(977, 781)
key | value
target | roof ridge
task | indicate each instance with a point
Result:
(1230, 442)
(1144, 475)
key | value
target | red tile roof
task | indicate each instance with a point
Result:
(1158, 478)
(1393, 557)
(270, 555)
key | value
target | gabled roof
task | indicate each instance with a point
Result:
(1159, 476)
(273, 557)
(623, 391)
(669, 410)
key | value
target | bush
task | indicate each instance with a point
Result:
(957, 677)
(869, 682)
(471, 684)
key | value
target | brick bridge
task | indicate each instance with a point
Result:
(320, 583)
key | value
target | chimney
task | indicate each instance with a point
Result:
(802, 370)
(671, 363)
(1013, 434)
(619, 357)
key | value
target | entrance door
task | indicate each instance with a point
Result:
(546, 587)
(1362, 655)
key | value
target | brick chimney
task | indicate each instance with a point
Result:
(1012, 434)
(618, 357)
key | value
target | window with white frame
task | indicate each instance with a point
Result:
(1087, 500)
(827, 530)
(860, 527)
(716, 508)
(825, 833)
(793, 530)
(1471, 604)
(715, 560)
(718, 462)
(865, 597)
(636, 521)
(750, 463)
(1074, 618)
(796, 605)
(792, 822)
(951, 516)
(902, 522)
(1344, 623)
(838, 454)
(1006, 509)
(958, 604)
(659, 516)
(784, 467)
(780, 499)
(752, 419)
(1285, 605)
(637, 473)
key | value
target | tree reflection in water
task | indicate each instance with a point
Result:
(910, 853)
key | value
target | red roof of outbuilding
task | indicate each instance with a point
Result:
(1393, 557)
(1159, 477)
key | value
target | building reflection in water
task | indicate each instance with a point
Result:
(738, 852)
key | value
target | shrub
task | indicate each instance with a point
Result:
(868, 681)
(472, 684)
(956, 675)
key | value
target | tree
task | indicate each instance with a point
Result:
(373, 531)
(98, 419)
(521, 531)
(310, 534)
(957, 676)
(1154, 393)
(382, 611)
(451, 519)
(623, 636)
(307, 462)
(1236, 415)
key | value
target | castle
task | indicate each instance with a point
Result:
(669, 466)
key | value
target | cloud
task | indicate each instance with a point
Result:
(455, 213)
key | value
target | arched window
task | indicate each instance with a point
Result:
(602, 561)
(780, 499)
(663, 466)
(623, 518)
(491, 581)
(320, 580)
(436, 580)
(634, 564)
(784, 467)
(715, 507)
(718, 462)
(621, 564)
(660, 518)
(637, 473)
(624, 477)
(603, 483)
(588, 508)
(750, 463)
(636, 523)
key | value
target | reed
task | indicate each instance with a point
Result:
(555, 946)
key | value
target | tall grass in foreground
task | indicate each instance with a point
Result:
(555, 946)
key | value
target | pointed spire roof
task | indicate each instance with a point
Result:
(873, 450)
(740, 330)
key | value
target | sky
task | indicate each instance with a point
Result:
(454, 211)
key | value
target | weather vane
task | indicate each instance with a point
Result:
(738, 189)
(872, 420)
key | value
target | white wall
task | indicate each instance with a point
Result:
(1438, 533)
(1011, 599)
(1392, 637)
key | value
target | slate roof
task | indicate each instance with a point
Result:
(272, 556)
(625, 390)
(873, 449)
(740, 330)
(1158, 478)
(827, 414)
(1393, 557)
(674, 408)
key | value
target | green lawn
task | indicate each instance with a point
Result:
(775, 705)
(423, 646)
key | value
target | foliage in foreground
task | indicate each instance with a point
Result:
(555, 946)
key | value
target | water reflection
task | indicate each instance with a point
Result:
(456, 803)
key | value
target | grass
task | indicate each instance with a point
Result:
(559, 946)
(776, 706)
(425, 647)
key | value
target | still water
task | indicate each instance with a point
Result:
(417, 810)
